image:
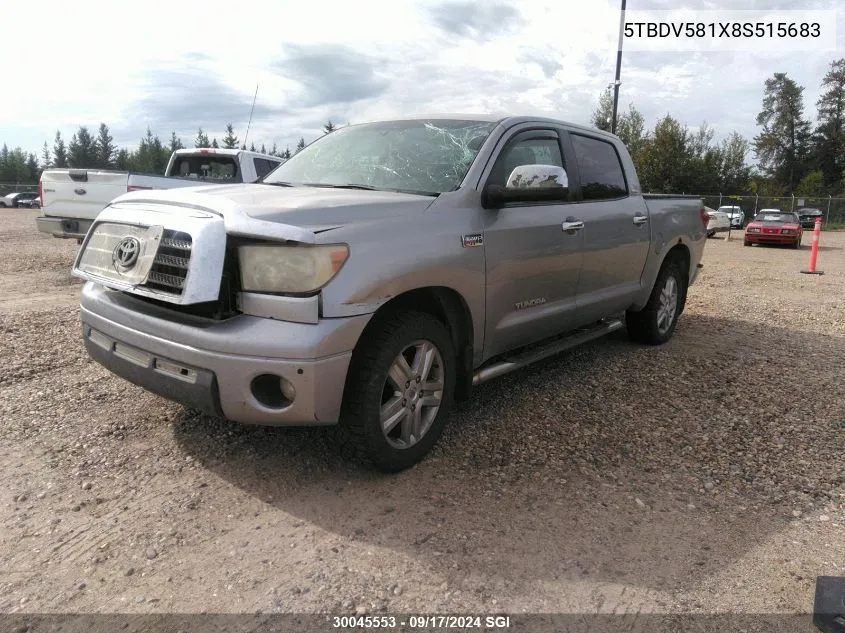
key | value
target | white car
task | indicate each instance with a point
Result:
(719, 222)
(735, 214)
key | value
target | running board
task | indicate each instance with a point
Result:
(514, 361)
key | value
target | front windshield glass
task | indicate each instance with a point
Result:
(428, 156)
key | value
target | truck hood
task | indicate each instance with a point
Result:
(311, 208)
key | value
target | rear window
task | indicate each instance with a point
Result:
(777, 217)
(206, 167)
(601, 171)
(264, 166)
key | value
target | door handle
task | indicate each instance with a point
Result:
(572, 225)
(639, 220)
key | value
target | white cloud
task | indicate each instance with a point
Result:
(178, 66)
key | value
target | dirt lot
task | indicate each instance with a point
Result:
(702, 476)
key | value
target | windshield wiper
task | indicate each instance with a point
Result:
(275, 184)
(347, 186)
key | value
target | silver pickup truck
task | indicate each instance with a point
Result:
(383, 271)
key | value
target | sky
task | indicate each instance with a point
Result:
(176, 66)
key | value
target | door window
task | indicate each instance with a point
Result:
(602, 176)
(527, 151)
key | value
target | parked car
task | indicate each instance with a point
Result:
(773, 226)
(736, 215)
(72, 198)
(35, 203)
(383, 271)
(718, 222)
(17, 199)
(808, 216)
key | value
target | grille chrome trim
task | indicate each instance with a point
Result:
(186, 259)
(172, 262)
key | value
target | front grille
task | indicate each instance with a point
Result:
(223, 308)
(170, 266)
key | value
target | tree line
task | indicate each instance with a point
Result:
(85, 150)
(794, 155)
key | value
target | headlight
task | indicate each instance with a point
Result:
(787, 232)
(289, 269)
(752, 229)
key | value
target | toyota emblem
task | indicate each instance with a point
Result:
(126, 252)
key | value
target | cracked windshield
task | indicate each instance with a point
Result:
(420, 156)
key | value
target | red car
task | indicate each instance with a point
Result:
(773, 226)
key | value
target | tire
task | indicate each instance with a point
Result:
(369, 386)
(711, 233)
(746, 243)
(649, 325)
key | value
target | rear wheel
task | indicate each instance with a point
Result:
(655, 324)
(399, 391)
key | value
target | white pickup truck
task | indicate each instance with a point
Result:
(72, 198)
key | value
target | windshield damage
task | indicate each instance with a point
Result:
(425, 157)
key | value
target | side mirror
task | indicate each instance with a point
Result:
(529, 183)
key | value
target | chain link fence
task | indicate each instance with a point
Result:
(10, 187)
(833, 209)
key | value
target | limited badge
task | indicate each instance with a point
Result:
(471, 240)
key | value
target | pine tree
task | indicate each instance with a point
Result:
(32, 168)
(275, 150)
(82, 149)
(214, 143)
(230, 141)
(175, 142)
(59, 152)
(105, 148)
(286, 155)
(782, 147)
(329, 127)
(201, 140)
(830, 133)
(300, 145)
(123, 160)
(46, 163)
(263, 149)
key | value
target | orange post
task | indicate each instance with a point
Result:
(814, 252)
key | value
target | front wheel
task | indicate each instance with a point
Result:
(398, 393)
(655, 324)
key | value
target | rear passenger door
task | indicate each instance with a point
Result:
(616, 228)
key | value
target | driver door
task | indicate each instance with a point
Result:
(533, 263)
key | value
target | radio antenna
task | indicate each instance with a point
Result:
(250, 113)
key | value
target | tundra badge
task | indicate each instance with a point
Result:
(531, 302)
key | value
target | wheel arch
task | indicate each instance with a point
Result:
(447, 306)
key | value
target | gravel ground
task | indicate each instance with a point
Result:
(702, 476)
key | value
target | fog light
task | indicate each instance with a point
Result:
(274, 392)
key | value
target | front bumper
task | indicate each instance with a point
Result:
(63, 227)
(770, 239)
(211, 365)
